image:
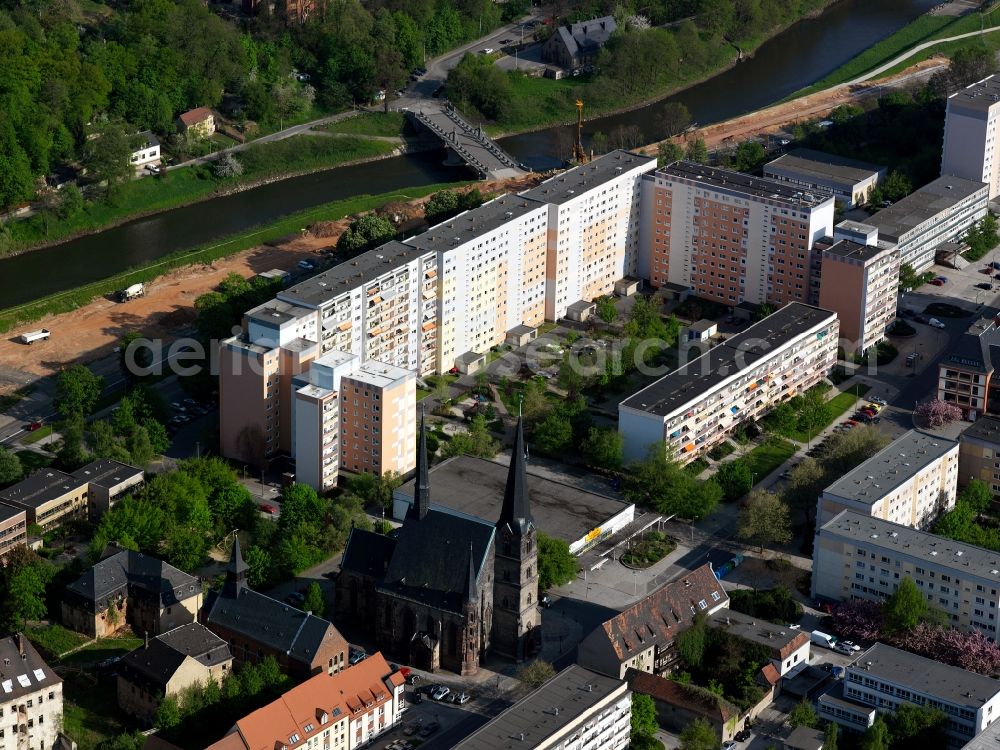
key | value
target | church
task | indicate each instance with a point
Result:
(448, 588)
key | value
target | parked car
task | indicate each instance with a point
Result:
(296, 599)
(984, 285)
(936, 282)
(268, 508)
(357, 657)
(487, 50)
(742, 736)
(922, 319)
(936, 323)
(306, 265)
(988, 269)
(462, 698)
(729, 745)
(545, 600)
(418, 697)
(36, 425)
(440, 692)
(942, 279)
(413, 678)
(877, 400)
(505, 41)
(429, 729)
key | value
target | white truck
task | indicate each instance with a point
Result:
(822, 639)
(131, 292)
(32, 336)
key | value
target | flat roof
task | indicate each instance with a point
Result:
(823, 166)
(891, 467)
(41, 487)
(469, 225)
(702, 325)
(850, 250)
(978, 96)
(744, 184)
(8, 513)
(106, 472)
(347, 276)
(708, 370)
(545, 712)
(379, 374)
(952, 684)
(774, 636)
(277, 312)
(988, 739)
(986, 429)
(574, 182)
(475, 487)
(923, 204)
(966, 559)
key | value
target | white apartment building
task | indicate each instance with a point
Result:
(970, 134)
(694, 407)
(910, 482)
(941, 211)
(491, 271)
(884, 677)
(378, 419)
(593, 228)
(857, 556)
(730, 237)
(575, 710)
(31, 700)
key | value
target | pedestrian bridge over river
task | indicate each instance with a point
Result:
(465, 142)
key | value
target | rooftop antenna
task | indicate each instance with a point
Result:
(579, 155)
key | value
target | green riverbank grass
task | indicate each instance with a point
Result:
(190, 184)
(370, 123)
(921, 30)
(75, 298)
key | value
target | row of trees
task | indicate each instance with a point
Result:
(982, 237)
(963, 523)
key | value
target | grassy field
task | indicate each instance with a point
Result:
(39, 434)
(55, 639)
(181, 186)
(73, 299)
(837, 406)
(768, 456)
(370, 123)
(923, 29)
(90, 709)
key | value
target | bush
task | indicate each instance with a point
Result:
(651, 548)
(775, 605)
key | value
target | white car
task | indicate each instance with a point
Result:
(728, 745)
(936, 323)
(440, 692)
(487, 50)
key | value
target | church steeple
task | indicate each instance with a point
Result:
(471, 586)
(236, 571)
(516, 510)
(422, 486)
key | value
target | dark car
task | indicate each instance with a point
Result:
(985, 285)
(417, 697)
(922, 319)
(742, 736)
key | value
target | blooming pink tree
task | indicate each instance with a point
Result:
(859, 619)
(936, 413)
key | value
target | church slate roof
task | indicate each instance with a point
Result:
(368, 553)
(425, 563)
(155, 664)
(114, 574)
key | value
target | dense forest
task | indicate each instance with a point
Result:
(74, 70)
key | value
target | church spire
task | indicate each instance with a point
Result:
(236, 571)
(422, 486)
(516, 511)
(471, 587)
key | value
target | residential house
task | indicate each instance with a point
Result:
(679, 704)
(31, 693)
(147, 151)
(979, 453)
(789, 647)
(197, 123)
(965, 373)
(578, 44)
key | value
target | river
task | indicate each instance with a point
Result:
(799, 56)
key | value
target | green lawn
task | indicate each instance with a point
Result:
(370, 123)
(102, 649)
(768, 456)
(923, 29)
(71, 300)
(90, 709)
(181, 186)
(39, 434)
(55, 639)
(837, 406)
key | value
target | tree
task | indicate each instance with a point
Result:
(830, 740)
(476, 442)
(765, 520)
(876, 737)
(748, 156)
(803, 715)
(553, 436)
(937, 413)
(365, 233)
(735, 479)
(659, 482)
(534, 674)
(697, 151)
(918, 726)
(70, 201)
(896, 186)
(674, 118)
(699, 735)
(375, 490)
(908, 278)
(804, 485)
(227, 167)
(314, 602)
(10, 467)
(77, 391)
(691, 642)
(600, 143)
(556, 565)
(904, 608)
(24, 599)
(107, 157)
(168, 714)
(976, 494)
(259, 565)
(606, 309)
(604, 447)
(667, 153)
(643, 722)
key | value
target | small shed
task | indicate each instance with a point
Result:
(699, 331)
(804, 738)
(521, 335)
(672, 292)
(627, 287)
(470, 363)
(275, 274)
(581, 311)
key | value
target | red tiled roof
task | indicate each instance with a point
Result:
(770, 674)
(689, 697)
(194, 116)
(664, 613)
(794, 645)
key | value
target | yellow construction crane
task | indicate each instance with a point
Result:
(579, 155)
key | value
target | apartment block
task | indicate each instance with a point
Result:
(694, 407)
(343, 711)
(859, 282)
(884, 677)
(491, 266)
(108, 481)
(965, 373)
(730, 237)
(13, 529)
(593, 228)
(938, 212)
(575, 710)
(970, 134)
(910, 482)
(979, 453)
(857, 556)
(32, 694)
(848, 180)
(378, 419)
